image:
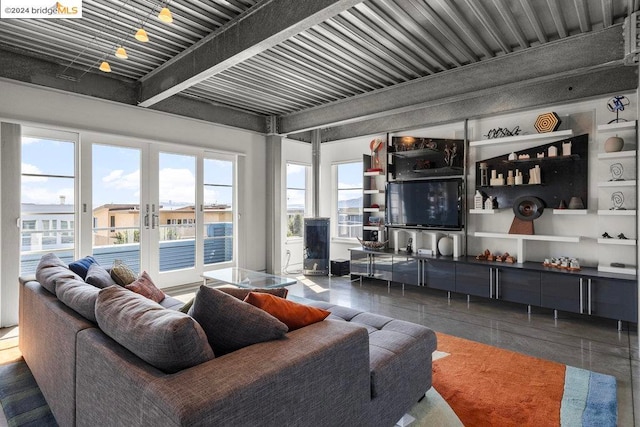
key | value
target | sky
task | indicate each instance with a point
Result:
(116, 175)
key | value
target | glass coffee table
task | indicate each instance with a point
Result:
(244, 278)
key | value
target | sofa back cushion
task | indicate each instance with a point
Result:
(79, 296)
(50, 269)
(99, 277)
(167, 339)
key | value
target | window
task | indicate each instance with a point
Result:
(296, 198)
(349, 199)
(219, 216)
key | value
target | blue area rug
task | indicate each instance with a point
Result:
(589, 399)
(21, 399)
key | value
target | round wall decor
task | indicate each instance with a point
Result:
(528, 208)
(547, 122)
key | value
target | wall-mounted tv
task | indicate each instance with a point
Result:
(428, 204)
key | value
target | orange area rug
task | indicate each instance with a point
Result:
(488, 386)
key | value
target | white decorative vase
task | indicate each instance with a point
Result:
(613, 144)
(445, 246)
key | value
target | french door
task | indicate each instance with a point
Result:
(163, 210)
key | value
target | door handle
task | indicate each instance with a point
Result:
(589, 295)
(581, 297)
(490, 282)
(497, 284)
(146, 217)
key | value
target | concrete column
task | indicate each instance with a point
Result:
(315, 171)
(275, 202)
(10, 161)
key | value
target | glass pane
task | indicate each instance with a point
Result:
(350, 200)
(296, 176)
(116, 205)
(47, 203)
(295, 212)
(218, 211)
(177, 211)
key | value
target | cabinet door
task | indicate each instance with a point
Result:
(614, 299)
(561, 292)
(405, 270)
(382, 266)
(517, 285)
(474, 280)
(439, 274)
(359, 264)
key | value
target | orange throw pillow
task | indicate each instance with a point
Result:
(292, 314)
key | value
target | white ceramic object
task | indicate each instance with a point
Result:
(613, 144)
(445, 246)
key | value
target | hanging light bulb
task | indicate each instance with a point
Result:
(105, 67)
(121, 53)
(141, 36)
(165, 15)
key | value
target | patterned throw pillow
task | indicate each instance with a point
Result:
(99, 277)
(292, 314)
(231, 324)
(167, 339)
(122, 274)
(144, 286)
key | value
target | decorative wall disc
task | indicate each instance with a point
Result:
(547, 122)
(528, 208)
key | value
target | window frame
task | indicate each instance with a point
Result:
(335, 215)
(307, 198)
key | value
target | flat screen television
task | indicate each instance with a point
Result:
(428, 204)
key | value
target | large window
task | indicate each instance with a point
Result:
(296, 198)
(218, 210)
(47, 196)
(349, 199)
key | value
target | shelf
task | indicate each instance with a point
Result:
(376, 173)
(373, 191)
(619, 270)
(500, 186)
(569, 211)
(617, 155)
(626, 183)
(416, 153)
(483, 211)
(621, 242)
(544, 159)
(613, 127)
(617, 212)
(380, 209)
(522, 138)
(538, 237)
(371, 227)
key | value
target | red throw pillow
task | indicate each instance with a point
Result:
(144, 286)
(292, 314)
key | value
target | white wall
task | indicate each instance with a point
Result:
(48, 108)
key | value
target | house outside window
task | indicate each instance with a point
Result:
(349, 200)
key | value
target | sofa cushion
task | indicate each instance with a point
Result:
(231, 324)
(81, 266)
(144, 286)
(167, 339)
(79, 296)
(99, 277)
(292, 314)
(50, 269)
(241, 293)
(122, 274)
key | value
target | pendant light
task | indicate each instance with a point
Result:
(121, 53)
(165, 15)
(105, 67)
(141, 35)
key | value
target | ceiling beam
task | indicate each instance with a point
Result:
(605, 47)
(506, 99)
(265, 25)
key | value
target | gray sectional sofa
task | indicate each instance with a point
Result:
(352, 369)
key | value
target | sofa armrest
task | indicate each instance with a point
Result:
(317, 375)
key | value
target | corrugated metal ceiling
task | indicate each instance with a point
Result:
(374, 45)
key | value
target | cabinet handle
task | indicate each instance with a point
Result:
(581, 297)
(589, 295)
(490, 282)
(497, 283)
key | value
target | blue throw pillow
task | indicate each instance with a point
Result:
(81, 266)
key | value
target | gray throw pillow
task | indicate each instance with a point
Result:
(50, 269)
(231, 324)
(167, 339)
(79, 296)
(99, 277)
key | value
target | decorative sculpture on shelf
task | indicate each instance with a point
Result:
(375, 145)
(450, 153)
(617, 198)
(547, 122)
(617, 171)
(502, 132)
(617, 104)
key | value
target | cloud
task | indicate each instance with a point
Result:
(119, 181)
(292, 168)
(32, 169)
(41, 195)
(177, 186)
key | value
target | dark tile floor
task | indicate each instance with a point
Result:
(586, 342)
